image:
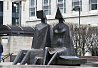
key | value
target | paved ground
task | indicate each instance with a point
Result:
(9, 65)
(5, 63)
(41, 66)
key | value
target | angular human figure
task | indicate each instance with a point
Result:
(42, 32)
(61, 36)
(62, 44)
(41, 40)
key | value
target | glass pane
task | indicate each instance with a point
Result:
(32, 13)
(45, 7)
(60, 5)
(61, 9)
(13, 21)
(46, 12)
(32, 9)
(15, 7)
(64, 10)
(80, 2)
(93, 1)
(80, 8)
(64, 3)
(76, 3)
(16, 20)
(49, 1)
(76, 8)
(75, 0)
(45, 1)
(1, 6)
(94, 7)
(1, 20)
(60, 0)
(49, 12)
(32, 2)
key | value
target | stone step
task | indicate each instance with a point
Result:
(90, 58)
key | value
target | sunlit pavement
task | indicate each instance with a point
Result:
(9, 65)
(6, 63)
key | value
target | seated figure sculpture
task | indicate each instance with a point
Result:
(62, 37)
(42, 32)
(62, 45)
(58, 51)
(41, 39)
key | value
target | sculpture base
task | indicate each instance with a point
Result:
(69, 61)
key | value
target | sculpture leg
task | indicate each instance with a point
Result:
(36, 56)
(53, 57)
(26, 58)
(19, 57)
(45, 55)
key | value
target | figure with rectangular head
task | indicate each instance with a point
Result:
(41, 39)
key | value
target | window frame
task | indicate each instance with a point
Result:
(91, 3)
(32, 7)
(48, 5)
(79, 4)
(63, 2)
(1, 12)
(15, 13)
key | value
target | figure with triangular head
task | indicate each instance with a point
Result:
(61, 36)
(62, 44)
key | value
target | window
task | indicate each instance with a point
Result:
(47, 6)
(77, 3)
(15, 13)
(93, 4)
(1, 12)
(33, 7)
(1, 6)
(62, 5)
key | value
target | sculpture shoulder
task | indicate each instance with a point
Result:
(60, 28)
(61, 25)
(41, 26)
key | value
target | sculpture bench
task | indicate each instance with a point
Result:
(69, 61)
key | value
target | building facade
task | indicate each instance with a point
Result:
(88, 8)
(23, 13)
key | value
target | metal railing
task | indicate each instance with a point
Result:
(6, 56)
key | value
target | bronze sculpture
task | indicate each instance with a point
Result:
(41, 39)
(42, 32)
(62, 44)
(48, 51)
(62, 37)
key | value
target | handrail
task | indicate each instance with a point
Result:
(6, 56)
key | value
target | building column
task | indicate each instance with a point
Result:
(85, 7)
(24, 12)
(7, 13)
